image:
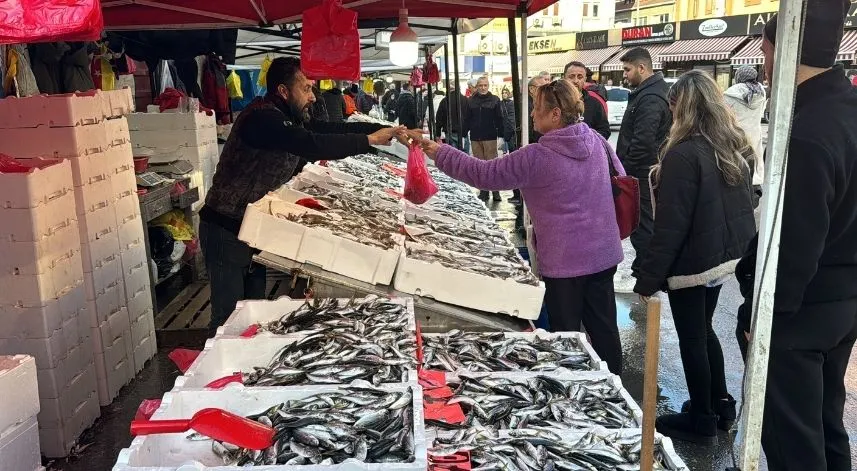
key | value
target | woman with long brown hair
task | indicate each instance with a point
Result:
(703, 225)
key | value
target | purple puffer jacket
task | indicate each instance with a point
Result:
(565, 181)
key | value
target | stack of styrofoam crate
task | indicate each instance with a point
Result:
(90, 131)
(19, 433)
(171, 136)
(42, 300)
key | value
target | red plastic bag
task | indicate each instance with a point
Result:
(330, 46)
(183, 358)
(419, 186)
(430, 72)
(30, 21)
(147, 408)
(11, 165)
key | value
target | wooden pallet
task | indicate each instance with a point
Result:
(191, 309)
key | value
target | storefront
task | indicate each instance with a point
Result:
(593, 49)
(549, 53)
(654, 38)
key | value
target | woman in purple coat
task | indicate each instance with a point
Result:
(565, 182)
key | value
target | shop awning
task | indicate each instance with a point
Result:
(593, 58)
(655, 50)
(848, 46)
(552, 63)
(750, 53)
(713, 49)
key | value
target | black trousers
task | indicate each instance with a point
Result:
(805, 397)
(589, 299)
(701, 354)
(643, 234)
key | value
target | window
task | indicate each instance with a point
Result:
(641, 21)
(617, 94)
(595, 11)
(585, 10)
(752, 2)
(665, 18)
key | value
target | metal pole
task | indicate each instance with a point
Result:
(449, 92)
(430, 103)
(516, 75)
(789, 32)
(460, 132)
(525, 97)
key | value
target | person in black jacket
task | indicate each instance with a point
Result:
(814, 324)
(486, 125)
(445, 118)
(532, 87)
(644, 128)
(388, 103)
(335, 104)
(704, 222)
(319, 107)
(507, 108)
(594, 113)
(406, 107)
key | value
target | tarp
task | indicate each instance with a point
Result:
(179, 14)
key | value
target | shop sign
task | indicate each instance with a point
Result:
(652, 34)
(758, 22)
(714, 27)
(591, 40)
(557, 43)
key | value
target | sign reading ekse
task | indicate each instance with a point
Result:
(660, 33)
(556, 43)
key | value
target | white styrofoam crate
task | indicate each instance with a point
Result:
(144, 351)
(48, 352)
(89, 169)
(93, 196)
(69, 109)
(113, 369)
(53, 380)
(49, 142)
(58, 442)
(133, 255)
(41, 321)
(57, 411)
(19, 446)
(71, 331)
(96, 253)
(127, 206)
(47, 180)
(103, 337)
(121, 102)
(263, 230)
(194, 155)
(172, 138)
(117, 131)
(137, 278)
(97, 224)
(131, 231)
(103, 275)
(106, 303)
(19, 389)
(142, 325)
(139, 301)
(123, 181)
(471, 290)
(37, 290)
(28, 224)
(172, 451)
(36, 257)
(254, 312)
(162, 121)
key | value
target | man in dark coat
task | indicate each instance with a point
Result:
(388, 103)
(507, 108)
(445, 117)
(335, 104)
(486, 125)
(814, 325)
(406, 107)
(594, 110)
(644, 129)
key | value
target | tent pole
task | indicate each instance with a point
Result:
(430, 103)
(516, 76)
(460, 143)
(449, 92)
(789, 32)
(525, 96)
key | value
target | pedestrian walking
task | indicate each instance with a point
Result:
(565, 180)
(486, 125)
(388, 103)
(703, 224)
(507, 108)
(406, 107)
(594, 107)
(644, 129)
(815, 305)
(747, 100)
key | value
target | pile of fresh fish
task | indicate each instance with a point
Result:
(378, 355)
(483, 249)
(365, 118)
(483, 351)
(495, 267)
(352, 227)
(362, 423)
(542, 401)
(470, 230)
(541, 450)
(357, 315)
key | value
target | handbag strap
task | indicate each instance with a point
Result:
(606, 146)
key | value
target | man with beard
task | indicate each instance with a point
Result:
(269, 142)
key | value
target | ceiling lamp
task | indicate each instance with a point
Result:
(404, 47)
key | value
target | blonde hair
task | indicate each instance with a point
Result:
(699, 110)
(561, 94)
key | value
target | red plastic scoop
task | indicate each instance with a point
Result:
(215, 423)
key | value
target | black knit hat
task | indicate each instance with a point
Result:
(823, 30)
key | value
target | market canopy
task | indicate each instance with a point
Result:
(711, 49)
(750, 54)
(655, 51)
(181, 14)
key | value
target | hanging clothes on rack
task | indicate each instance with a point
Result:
(76, 71)
(19, 78)
(215, 95)
(46, 61)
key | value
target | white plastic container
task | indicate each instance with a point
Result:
(104, 336)
(37, 257)
(174, 138)
(136, 278)
(98, 223)
(106, 303)
(139, 301)
(96, 253)
(127, 206)
(470, 290)
(175, 121)
(70, 109)
(41, 321)
(93, 196)
(37, 290)
(19, 389)
(117, 131)
(131, 231)
(249, 313)
(113, 368)
(57, 411)
(173, 451)
(44, 141)
(105, 274)
(58, 442)
(144, 351)
(19, 446)
(142, 325)
(88, 169)
(263, 230)
(47, 180)
(52, 381)
(31, 224)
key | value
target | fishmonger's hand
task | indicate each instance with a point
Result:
(384, 136)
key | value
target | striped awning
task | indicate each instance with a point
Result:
(593, 58)
(555, 62)
(655, 50)
(710, 49)
(848, 46)
(552, 63)
(750, 54)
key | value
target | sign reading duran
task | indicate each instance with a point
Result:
(714, 27)
(652, 34)
(591, 40)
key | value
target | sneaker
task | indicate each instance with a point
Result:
(483, 195)
(689, 427)
(725, 410)
(497, 197)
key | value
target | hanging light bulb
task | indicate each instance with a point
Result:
(404, 46)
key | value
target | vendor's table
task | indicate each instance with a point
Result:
(432, 315)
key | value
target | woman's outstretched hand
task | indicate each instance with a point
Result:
(430, 148)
